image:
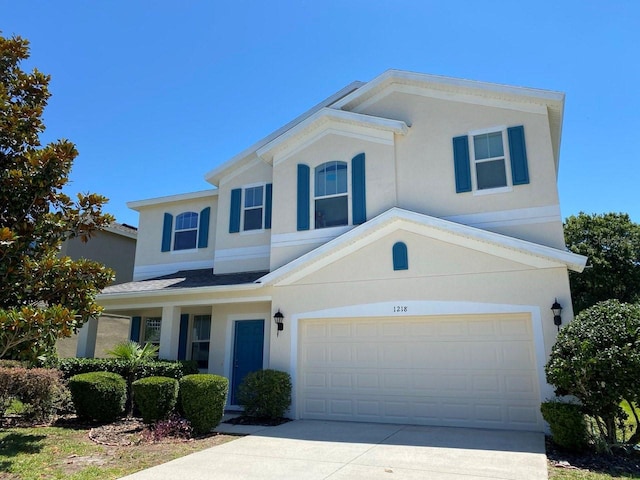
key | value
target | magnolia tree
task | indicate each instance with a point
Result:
(42, 297)
(596, 359)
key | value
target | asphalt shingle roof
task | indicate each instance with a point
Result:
(186, 279)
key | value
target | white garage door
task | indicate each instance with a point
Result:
(472, 371)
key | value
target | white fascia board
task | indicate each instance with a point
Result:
(139, 204)
(214, 176)
(444, 230)
(122, 233)
(330, 116)
(179, 292)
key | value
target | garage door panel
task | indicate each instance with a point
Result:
(459, 371)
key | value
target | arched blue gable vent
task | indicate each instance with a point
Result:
(400, 256)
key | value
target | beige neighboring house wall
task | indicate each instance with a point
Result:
(114, 247)
(433, 308)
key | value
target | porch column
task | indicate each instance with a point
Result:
(86, 347)
(169, 332)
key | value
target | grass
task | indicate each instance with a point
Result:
(44, 453)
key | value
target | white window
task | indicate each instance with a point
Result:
(152, 330)
(200, 340)
(186, 232)
(489, 163)
(331, 195)
(253, 208)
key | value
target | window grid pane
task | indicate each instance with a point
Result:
(186, 221)
(330, 179)
(491, 174)
(253, 197)
(152, 330)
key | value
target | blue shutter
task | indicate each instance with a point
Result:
(358, 190)
(167, 228)
(461, 164)
(234, 214)
(267, 206)
(518, 154)
(303, 196)
(203, 229)
(182, 337)
(135, 329)
(400, 256)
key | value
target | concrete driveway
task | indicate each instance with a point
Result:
(308, 449)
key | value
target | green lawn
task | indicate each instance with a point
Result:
(44, 453)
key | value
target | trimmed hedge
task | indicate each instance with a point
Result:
(159, 368)
(155, 397)
(265, 393)
(568, 425)
(98, 396)
(203, 397)
(38, 388)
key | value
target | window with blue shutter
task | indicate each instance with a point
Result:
(461, 164)
(182, 336)
(303, 202)
(267, 206)
(518, 154)
(400, 256)
(358, 190)
(203, 228)
(135, 329)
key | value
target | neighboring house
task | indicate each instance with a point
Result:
(115, 247)
(407, 233)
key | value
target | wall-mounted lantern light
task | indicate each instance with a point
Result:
(556, 308)
(278, 317)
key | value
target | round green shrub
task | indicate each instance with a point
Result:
(265, 393)
(202, 398)
(98, 395)
(568, 425)
(155, 397)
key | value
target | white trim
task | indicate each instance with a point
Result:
(422, 308)
(124, 233)
(330, 116)
(144, 272)
(522, 251)
(501, 218)
(306, 237)
(138, 204)
(181, 299)
(242, 253)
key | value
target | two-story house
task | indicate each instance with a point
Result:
(396, 249)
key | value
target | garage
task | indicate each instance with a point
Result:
(450, 370)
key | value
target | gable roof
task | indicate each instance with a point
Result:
(522, 251)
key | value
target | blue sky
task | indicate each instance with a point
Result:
(156, 93)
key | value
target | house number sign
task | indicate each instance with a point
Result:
(400, 309)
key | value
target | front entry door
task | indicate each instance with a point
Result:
(248, 348)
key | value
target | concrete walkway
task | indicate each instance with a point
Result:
(308, 449)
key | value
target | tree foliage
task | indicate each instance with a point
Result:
(611, 241)
(42, 297)
(596, 358)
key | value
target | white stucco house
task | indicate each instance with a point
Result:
(407, 230)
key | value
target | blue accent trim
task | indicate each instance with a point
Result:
(267, 206)
(400, 256)
(461, 164)
(358, 189)
(182, 337)
(234, 214)
(304, 177)
(518, 154)
(247, 352)
(167, 227)
(135, 329)
(203, 229)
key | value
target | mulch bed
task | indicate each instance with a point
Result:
(623, 462)
(267, 422)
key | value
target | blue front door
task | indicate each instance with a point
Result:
(248, 347)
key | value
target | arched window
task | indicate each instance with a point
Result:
(330, 195)
(186, 232)
(400, 256)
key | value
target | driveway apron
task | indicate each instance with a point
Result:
(311, 449)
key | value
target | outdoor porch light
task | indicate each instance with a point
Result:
(278, 317)
(556, 308)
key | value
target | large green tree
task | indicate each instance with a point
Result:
(42, 297)
(612, 243)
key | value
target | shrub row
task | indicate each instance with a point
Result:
(567, 423)
(160, 368)
(37, 388)
(155, 397)
(265, 393)
(98, 395)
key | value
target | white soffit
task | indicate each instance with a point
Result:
(138, 204)
(535, 255)
(325, 119)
